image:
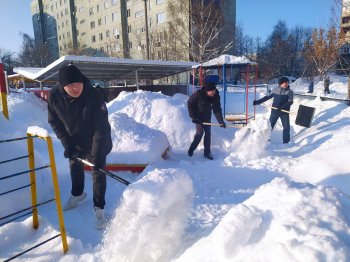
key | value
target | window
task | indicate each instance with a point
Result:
(129, 29)
(91, 11)
(140, 13)
(114, 16)
(128, 13)
(98, 8)
(160, 18)
(100, 36)
(82, 21)
(107, 34)
(130, 45)
(106, 19)
(66, 11)
(93, 39)
(160, 1)
(116, 33)
(105, 4)
(92, 25)
(81, 9)
(99, 21)
(114, 2)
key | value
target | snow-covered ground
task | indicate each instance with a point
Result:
(257, 201)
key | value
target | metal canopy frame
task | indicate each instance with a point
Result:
(112, 68)
(223, 66)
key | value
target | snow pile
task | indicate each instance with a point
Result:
(158, 112)
(250, 142)
(25, 109)
(282, 221)
(164, 113)
(150, 222)
(130, 138)
(228, 60)
(12, 202)
(37, 131)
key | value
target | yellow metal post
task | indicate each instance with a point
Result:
(32, 181)
(3, 91)
(57, 193)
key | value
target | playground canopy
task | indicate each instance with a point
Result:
(235, 74)
(109, 68)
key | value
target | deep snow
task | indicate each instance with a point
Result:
(257, 201)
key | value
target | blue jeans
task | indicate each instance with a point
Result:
(285, 123)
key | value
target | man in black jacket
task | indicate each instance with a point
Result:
(282, 100)
(78, 115)
(200, 105)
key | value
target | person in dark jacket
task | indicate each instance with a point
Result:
(311, 86)
(78, 115)
(282, 100)
(200, 107)
(326, 83)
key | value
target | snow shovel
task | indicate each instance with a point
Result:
(121, 180)
(213, 124)
(304, 117)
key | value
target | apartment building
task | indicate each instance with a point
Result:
(112, 27)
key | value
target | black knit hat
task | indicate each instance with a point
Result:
(209, 86)
(69, 74)
(282, 80)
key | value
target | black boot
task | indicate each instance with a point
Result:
(209, 156)
(190, 152)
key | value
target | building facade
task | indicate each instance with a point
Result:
(114, 27)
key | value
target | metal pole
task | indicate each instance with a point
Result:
(57, 193)
(146, 22)
(3, 92)
(32, 180)
(137, 80)
(246, 93)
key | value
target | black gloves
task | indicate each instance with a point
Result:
(197, 121)
(223, 125)
(71, 153)
(255, 102)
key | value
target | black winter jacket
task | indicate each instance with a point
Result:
(282, 98)
(200, 106)
(81, 123)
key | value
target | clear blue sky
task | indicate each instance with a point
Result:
(256, 16)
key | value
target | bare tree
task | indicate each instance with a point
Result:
(8, 60)
(322, 50)
(196, 26)
(31, 54)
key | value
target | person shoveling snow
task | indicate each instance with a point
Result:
(282, 100)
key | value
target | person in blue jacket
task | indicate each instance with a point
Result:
(282, 100)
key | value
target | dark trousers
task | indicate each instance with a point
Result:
(285, 123)
(78, 178)
(200, 130)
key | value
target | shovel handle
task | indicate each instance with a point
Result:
(285, 111)
(118, 178)
(214, 124)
